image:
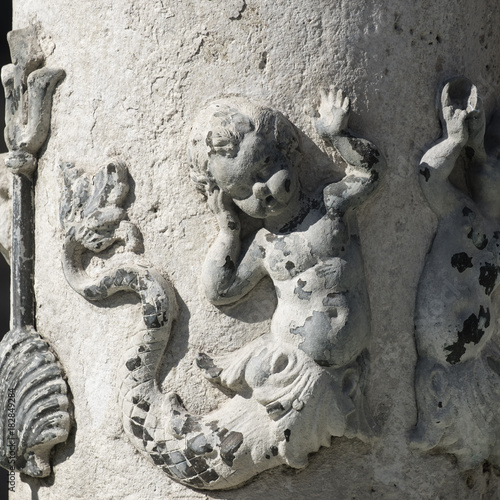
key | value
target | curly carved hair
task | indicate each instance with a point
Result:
(220, 128)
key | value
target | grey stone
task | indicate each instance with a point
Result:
(35, 413)
(457, 376)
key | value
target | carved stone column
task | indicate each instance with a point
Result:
(258, 339)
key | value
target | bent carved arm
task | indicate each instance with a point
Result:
(365, 163)
(227, 276)
(439, 161)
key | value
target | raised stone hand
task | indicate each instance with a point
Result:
(334, 113)
(458, 110)
(224, 210)
(477, 123)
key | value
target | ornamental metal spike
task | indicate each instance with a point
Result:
(34, 405)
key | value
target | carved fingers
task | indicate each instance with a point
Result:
(477, 125)
(224, 209)
(333, 112)
(462, 111)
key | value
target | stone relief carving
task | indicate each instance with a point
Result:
(293, 388)
(33, 395)
(456, 326)
(246, 159)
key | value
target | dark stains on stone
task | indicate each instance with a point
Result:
(299, 290)
(263, 60)
(308, 206)
(133, 363)
(137, 429)
(195, 482)
(213, 426)
(274, 407)
(144, 405)
(146, 436)
(191, 424)
(471, 333)
(274, 451)
(125, 278)
(153, 315)
(107, 281)
(229, 445)
(232, 225)
(315, 343)
(199, 444)
(467, 211)
(369, 155)
(287, 433)
(289, 265)
(426, 173)
(330, 299)
(185, 470)
(479, 242)
(209, 476)
(138, 420)
(95, 292)
(287, 185)
(199, 464)
(128, 278)
(229, 264)
(281, 245)
(488, 275)
(206, 363)
(461, 261)
(156, 459)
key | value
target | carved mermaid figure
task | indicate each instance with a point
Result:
(299, 385)
(248, 157)
(457, 376)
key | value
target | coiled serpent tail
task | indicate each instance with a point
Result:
(285, 406)
(196, 451)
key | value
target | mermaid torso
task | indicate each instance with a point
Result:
(319, 281)
(454, 315)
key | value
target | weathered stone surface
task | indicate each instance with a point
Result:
(35, 409)
(138, 74)
(457, 376)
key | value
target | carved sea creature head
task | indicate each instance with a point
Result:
(251, 152)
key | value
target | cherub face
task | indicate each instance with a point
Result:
(260, 179)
